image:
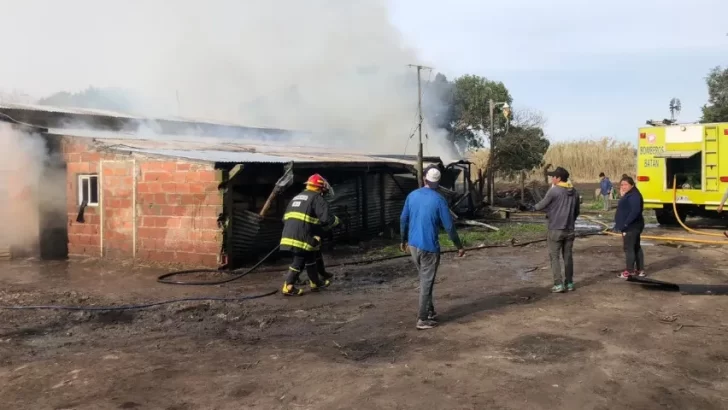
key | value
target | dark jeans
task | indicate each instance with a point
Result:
(311, 261)
(427, 264)
(561, 244)
(633, 251)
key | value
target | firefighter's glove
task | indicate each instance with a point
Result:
(336, 223)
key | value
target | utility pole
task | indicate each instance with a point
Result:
(491, 154)
(420, 170)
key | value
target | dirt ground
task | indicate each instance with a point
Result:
(504, 342)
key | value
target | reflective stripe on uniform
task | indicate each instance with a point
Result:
(298, 244)
(301, 217)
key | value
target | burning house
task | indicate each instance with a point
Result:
(191, 199)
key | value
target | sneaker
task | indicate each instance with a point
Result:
(558, 289)
(624, 275)
(315, 287)
(432, 316)
(570, 287)
(290, 290)
(641, 274)
(426, 324)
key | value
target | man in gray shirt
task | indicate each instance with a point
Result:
(561, 204)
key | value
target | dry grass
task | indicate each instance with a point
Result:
(584, 159)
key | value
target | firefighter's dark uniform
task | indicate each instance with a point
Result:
(306, 218)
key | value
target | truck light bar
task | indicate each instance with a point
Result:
(643, 179)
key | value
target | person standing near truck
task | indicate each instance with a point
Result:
(629, 221)
(562, 207)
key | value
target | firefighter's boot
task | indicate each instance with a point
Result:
(314, 281)
(289, 286)
(321, 268)
(290, 290)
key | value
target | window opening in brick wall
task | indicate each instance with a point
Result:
(88, 190)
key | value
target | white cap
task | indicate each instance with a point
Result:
(433, 175)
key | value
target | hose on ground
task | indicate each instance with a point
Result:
(671, 238)
(658, 238)
(236, 274)
(163, 279)
(677, 216)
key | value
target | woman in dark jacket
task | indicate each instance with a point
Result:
(629, 221)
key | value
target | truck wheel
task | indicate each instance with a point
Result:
(666, 217)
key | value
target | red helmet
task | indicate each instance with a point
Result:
(318, 181)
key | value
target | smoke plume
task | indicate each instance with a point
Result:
(32, 194)
(336, 68)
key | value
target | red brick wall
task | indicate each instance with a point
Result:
(117, 184)
(83, 238)
(177, 205)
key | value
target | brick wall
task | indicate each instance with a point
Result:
(177, 206)
(83, 238)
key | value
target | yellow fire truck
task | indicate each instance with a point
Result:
(693, 155)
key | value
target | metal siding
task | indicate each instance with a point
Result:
(394, 197)
(252, 235)
(374, 204)
(347, 206)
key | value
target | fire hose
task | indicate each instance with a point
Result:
(240, 273)
(235, 275)
(682, 224)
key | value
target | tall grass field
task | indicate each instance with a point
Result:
(584, 159)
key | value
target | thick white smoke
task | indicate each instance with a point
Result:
(31, 193)
(330, 66)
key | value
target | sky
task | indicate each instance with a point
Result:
(593, 68)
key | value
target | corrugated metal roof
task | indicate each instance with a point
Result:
(248, 156)
(214, 156)
(211, 149)
(63, 110)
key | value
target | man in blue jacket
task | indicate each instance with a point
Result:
(425, 210)
(605, 189)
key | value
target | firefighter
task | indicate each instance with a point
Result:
(306, 218)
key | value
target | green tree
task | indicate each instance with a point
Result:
(716, 110)
(470, 111)
(519, 150)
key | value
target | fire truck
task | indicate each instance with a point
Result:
(691, 157)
